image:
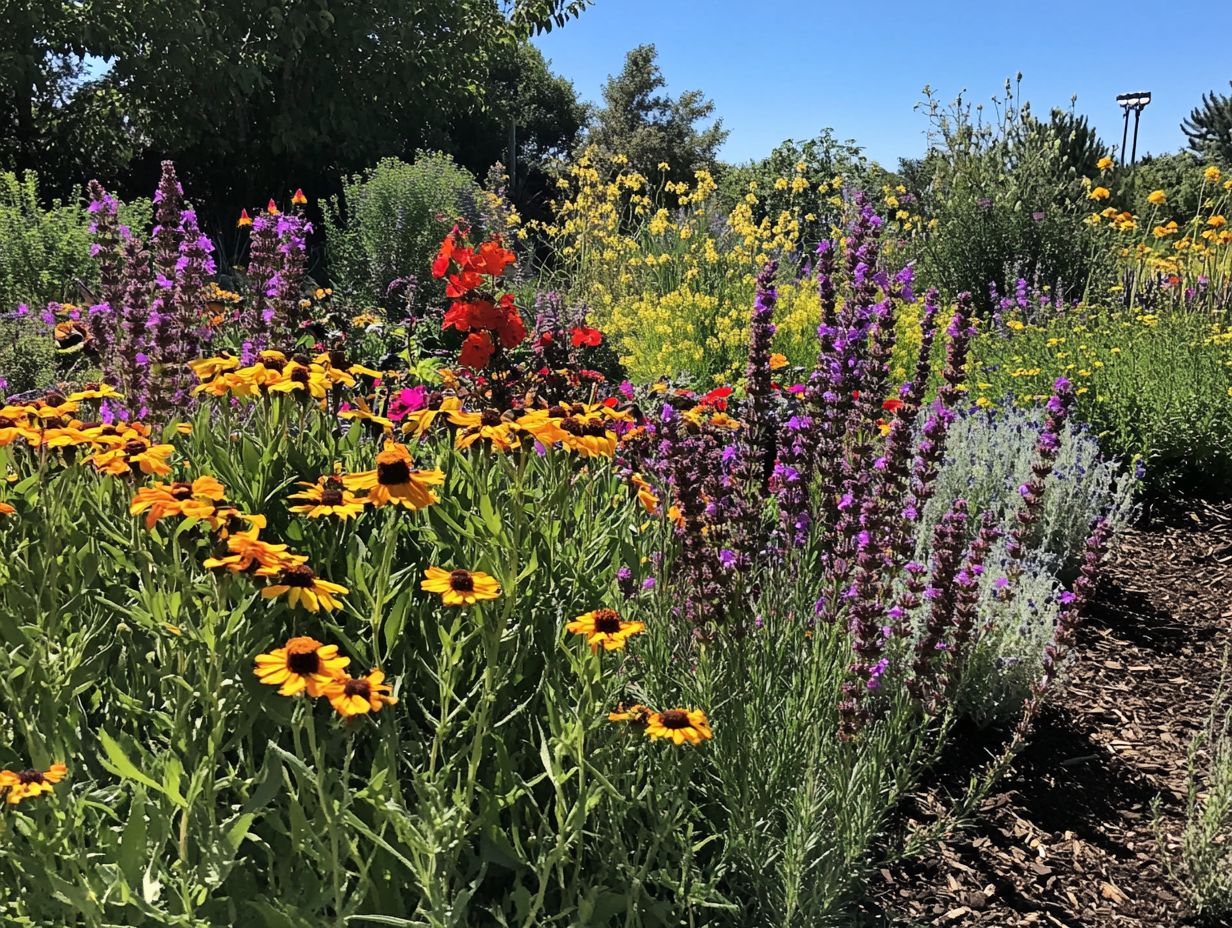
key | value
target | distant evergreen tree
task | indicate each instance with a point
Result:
(1209, 128)
(650, 127)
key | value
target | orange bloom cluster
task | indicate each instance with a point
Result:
(305, 665)
(273, 373)
(488, 319)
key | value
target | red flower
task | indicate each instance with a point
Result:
(716, 398)
(546, 339)
(491, 259)
(511, 329)
(272, 207)
(244, 220)
(445, 255)
(611, 402)
(892, 405)
(477, 350)
(584, 335)
(463, 283)
(298, 198)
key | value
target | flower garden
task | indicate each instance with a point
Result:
(674, 557)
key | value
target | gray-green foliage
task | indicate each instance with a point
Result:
(989, 455)
(389, 221)
(1003, 196)
(1202, 866)
(1209, 128)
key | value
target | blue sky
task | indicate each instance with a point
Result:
(787, 69)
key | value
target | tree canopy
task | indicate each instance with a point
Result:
(1209, 128)
(649, 127)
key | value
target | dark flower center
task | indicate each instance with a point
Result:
(6, 423)
(134, 446)
(299, 575)
(181, 490)
(300, 359)
(595, 429)
(607, 621)
(304, 664)
(338, 359)
(461, 581)
(357, 688)
(300, 375)
(556, 412)
(490, 417)
(334, 483)
(26, 777)
(54, 399)
(331, 497)
(572, 426)
(674, 718)
(393, 473)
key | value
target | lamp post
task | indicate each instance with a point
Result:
(1136, 102)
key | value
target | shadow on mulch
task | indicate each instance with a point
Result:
(1067, 837)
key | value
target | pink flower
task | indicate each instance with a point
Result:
(408, 400)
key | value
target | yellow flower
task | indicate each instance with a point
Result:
(460, 587)
(327, 497)
(1211, 173)
(679, 725)
(1099, 193)
(302, 664)
(777, 361)
(26, 784)
(302, 588)
(352, 696)
(395, 481)
(605, 627)
(193, 500)
(1156, 197)
(1104, 163)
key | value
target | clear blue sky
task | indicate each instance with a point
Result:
(787, 69)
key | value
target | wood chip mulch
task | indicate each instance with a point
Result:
(1067, 838)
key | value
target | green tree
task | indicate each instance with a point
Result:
(545, 114)
(640, 121)
(1209, 128)
(250, 96)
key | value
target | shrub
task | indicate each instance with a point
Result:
(1004, 198)
(386, 224)
(1151, 386)
(45, 252)
(1203, 866)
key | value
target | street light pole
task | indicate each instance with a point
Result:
(1136, 102)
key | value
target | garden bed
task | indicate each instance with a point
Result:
(1069, 838)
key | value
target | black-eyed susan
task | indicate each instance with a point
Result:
(136, 456)
(308, 380)
(352, 696)
(395, 480)
(460, 587)
(194, 500)
(226, 521)
(94, 391)
(679, 725)
(302, 664)
(327, 497)
(26, 784)
(636, 714)
(302, 587)
(605, 628)
(419, 421)
(248, 554)
(361, 413)
(489, 425)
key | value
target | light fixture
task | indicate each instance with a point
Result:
(1137, 102)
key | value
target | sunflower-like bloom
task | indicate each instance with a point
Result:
(327, 497)
(352, 696)
(226, 521)
(680, 725)
(302, 588)
(577, 427)
(26, 784)
(489, 426)
(295, 377)
(636, 713)
(136, 456)
(302, 664)
(246, 553)
(361, 413)
(460, 587)
(194, 500)
(421, 420)
(605, 628)
(396, 481)
(94, 391)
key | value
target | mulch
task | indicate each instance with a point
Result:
(1068, 838)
